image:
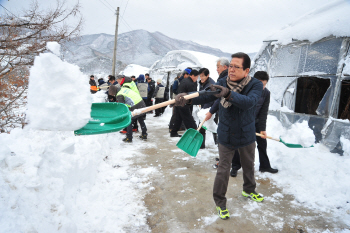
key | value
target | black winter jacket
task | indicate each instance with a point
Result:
(223, 74)
(187, 86)
(151, 88)
(204, 85)
(262, 108)
(237, 123)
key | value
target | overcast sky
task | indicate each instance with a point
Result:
(229, 25)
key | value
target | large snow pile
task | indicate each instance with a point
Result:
(330, 19)
(135, 70)
(316, 177)
(58, 94)
(58, 182)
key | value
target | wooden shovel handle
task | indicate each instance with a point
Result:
(258, 134)
(163, 104)
(200, 125)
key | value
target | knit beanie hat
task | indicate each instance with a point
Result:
(188, 71)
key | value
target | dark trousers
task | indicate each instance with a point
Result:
(148, 101)
(134, 124)
(140, 119)
(159, 111)
(223, 172)
(183, 114)
(263, 158)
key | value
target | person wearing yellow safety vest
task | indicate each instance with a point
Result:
(133, 100)
(128, 82)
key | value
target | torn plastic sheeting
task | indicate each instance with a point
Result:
(325, 105)
(332, 132)
(278, 85)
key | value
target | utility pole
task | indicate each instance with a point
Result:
(115, 43)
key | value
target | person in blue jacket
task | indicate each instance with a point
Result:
(236, 130)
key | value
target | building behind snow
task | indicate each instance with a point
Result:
(309, 66)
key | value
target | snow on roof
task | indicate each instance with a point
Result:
(330, 19)
(135, 70)
(187, 58)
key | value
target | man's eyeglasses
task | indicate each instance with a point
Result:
(235, 67)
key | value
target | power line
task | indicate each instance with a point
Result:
(125, 7)
(9, 11)
(126, 23)
(110, 5)
(106, 6)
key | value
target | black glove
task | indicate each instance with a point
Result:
(180, 100)
(225, 92)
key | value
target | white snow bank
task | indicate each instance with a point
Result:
(330, 19)
(135, 70)
(316, 177)
(58, 95)
(58, 182)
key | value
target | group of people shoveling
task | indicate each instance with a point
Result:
(240, 103)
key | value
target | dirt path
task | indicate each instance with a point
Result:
(181, 200)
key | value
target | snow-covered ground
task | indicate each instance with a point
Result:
(53, 181)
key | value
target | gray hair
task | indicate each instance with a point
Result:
(223, 61)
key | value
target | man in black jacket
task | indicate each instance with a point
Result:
(151, 88)
(159, 97)
(236, 130)
(205, 81)
(262, 109)
(185, 113)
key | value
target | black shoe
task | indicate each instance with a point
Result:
(143, 136)
(233, 172)
(128, 140)
(271, 170)
(156, 115)
(175, 135)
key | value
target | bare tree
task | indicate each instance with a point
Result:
(21, 39)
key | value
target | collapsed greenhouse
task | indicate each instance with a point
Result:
(176, 61)
(310, 73)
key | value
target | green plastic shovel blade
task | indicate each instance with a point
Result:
(106, 118)
(190, 142)
(293, 145)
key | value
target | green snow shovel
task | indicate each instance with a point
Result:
(106, 118)
(191, 141)
(285, 143)
(112, 117)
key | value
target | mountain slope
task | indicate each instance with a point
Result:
(93, 53)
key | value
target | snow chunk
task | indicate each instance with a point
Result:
(58, 95)
(300, 133)
(54, 47)
(210, 124)
(345, 143)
